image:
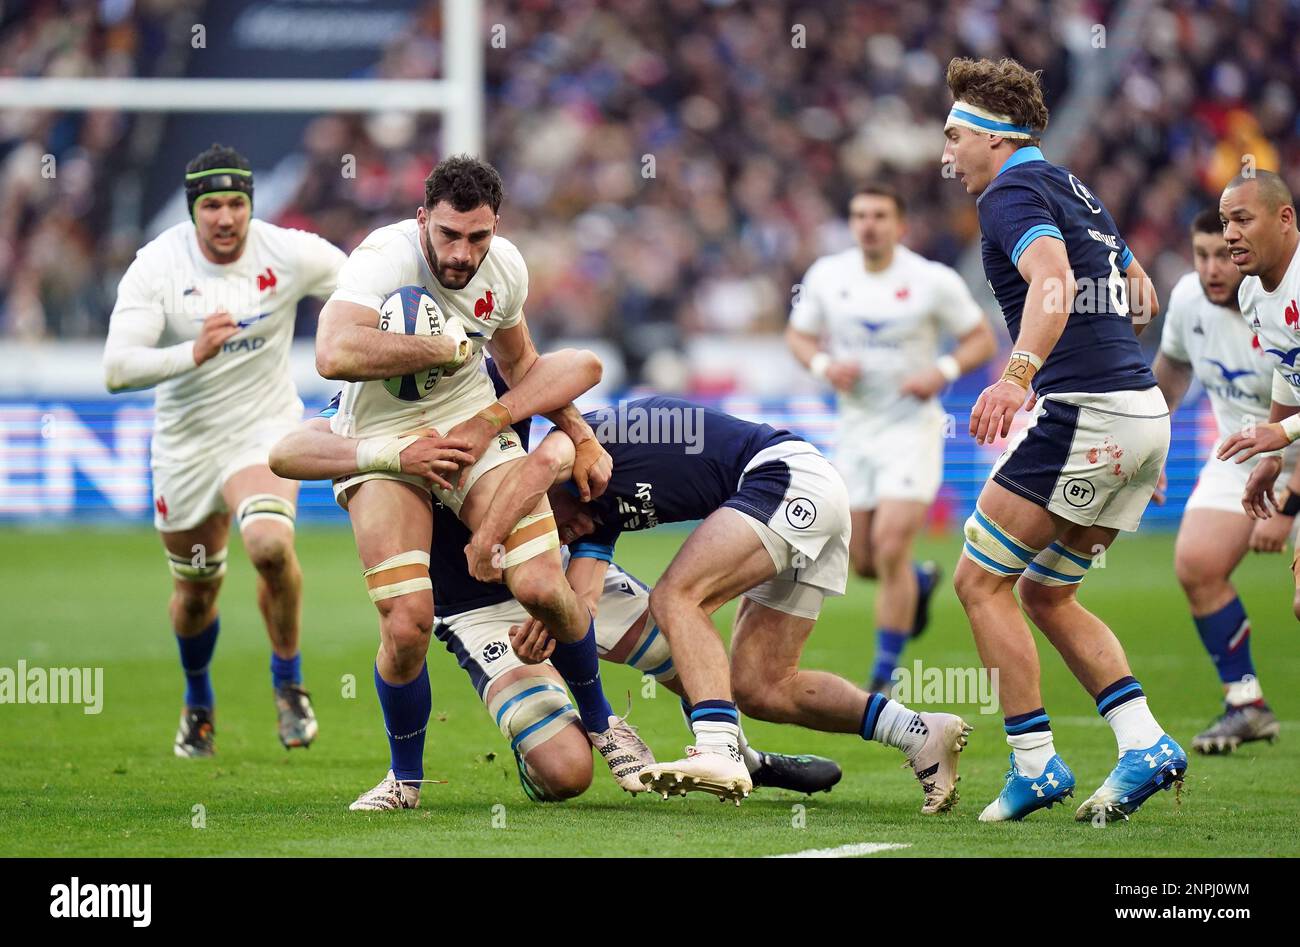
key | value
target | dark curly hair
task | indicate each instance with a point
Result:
(1004, 87)
(465, 182)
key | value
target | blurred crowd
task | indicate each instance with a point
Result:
(673, 166)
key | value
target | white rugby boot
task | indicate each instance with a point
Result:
(388, 795)
(722, 774)
(935, 762)
(624, 752)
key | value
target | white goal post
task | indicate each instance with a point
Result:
(458, 95)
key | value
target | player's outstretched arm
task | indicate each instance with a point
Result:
(1046, 268)
(550, 463)
(313, 452)
(350, 346)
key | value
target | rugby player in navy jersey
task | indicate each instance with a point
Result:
(774, 533)
(1085, 467)
(525, 698)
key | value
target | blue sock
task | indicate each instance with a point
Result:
(196, 655)
(889, 647)
(579, 665)
(871, 716)
(285, 670)
(406, 718)
(1226, 635)
(924, 580)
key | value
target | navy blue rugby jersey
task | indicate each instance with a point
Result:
(1030, 198)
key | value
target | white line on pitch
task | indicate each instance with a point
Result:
(845, 851)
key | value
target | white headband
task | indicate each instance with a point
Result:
(982, 120)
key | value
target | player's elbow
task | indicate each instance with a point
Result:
(330, 362)
(115, 379)
(278, 459)
(555, 456)
(589, 368)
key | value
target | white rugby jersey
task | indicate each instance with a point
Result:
(1221, 348)
(162, 300)
(1275, 318)
(391, 258)
(888, 322)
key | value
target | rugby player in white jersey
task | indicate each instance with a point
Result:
(1259, 226)
(479, 281)
(1204, 337)
(205, 315)
(869, 320)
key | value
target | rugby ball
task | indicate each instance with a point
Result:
(412, 311)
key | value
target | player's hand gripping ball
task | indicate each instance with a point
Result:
(412, 311)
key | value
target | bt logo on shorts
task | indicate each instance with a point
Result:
(800, 512)
(1078, 492)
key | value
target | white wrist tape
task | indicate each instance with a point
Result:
(382, 453)
(948, 367)
(1291, 428)
(819, 364)
(1033, 359)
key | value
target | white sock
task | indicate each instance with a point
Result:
(898, 726)
(1135, 728)
(713, 736)
(1032, 752)
(753, 759)
(1242, 692)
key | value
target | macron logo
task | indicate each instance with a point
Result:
(126, 900)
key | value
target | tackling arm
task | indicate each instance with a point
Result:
(313, 452)
(1143, 304)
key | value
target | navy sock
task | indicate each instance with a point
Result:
(406, 718)
(196, 655)
(714, 711)
(875, 704)
(1035, 721)
(579, 665)
(285, 670)
(1226, 635)
(1118, 694)
(889, 647)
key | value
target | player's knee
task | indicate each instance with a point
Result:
(194, 602)
(405, 623)
(863, 564)
(1196, 571)
(891, 551)
(1040, 602)
(270, 553)
(667, 599)
(539, 588)
(560, 769)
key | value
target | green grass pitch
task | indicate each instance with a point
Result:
(76, 784)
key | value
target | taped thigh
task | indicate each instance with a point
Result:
(265, 508)
(993, 549)
(532, 536)
(401, 574)
(1059, 565)
(200, 567)
(530, 711)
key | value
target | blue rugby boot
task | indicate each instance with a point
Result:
(1137, 776)
(1024, 794)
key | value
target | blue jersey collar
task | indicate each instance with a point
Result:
(1031, 153)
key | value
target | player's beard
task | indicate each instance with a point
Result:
(227, 256)
(437, 269)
